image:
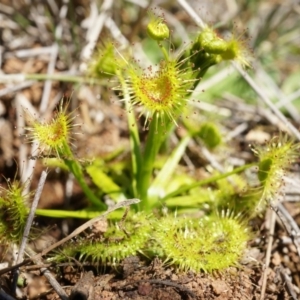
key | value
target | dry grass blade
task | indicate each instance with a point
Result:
(289, 285)
(271, 223)
(94, 28)
(88, 224)
(54, 283)
(290, 127)
(289, 224)
(28, 226)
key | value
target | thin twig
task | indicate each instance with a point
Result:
(54, 53)
(15, 87)
(53, 6)
(272, 222)
(211, 158)
(95, 29)
(56, 286)
(48, 83)
(238, 130)
(28, 225)
(165, 282)
(20, 132)
(61, 76)
(89, 224)
(289, 224)
(31, 215)
(214, 80)
(73, 234)
(268, 102)
(275, 91)
(291, 97)
(205, 106)
(289, 285)
(116, 32)
(185, 157)
(249, 80)
(188, 8)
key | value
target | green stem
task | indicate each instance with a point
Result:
(75, 168)
(136, 156)
(154, 140)
(164, 51)
(187, 188)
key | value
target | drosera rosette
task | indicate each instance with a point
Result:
(162, 92)
(275, 158)
(209, 243)
(121, 240)
(13, 212)
(53, 137)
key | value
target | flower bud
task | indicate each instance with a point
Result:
(209, 41)
(157, 29)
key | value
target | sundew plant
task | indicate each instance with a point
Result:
(165, 223)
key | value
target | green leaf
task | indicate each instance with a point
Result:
(163, 178)
(210, 135)
(78, 214)
(104, 182)
(189, 201)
